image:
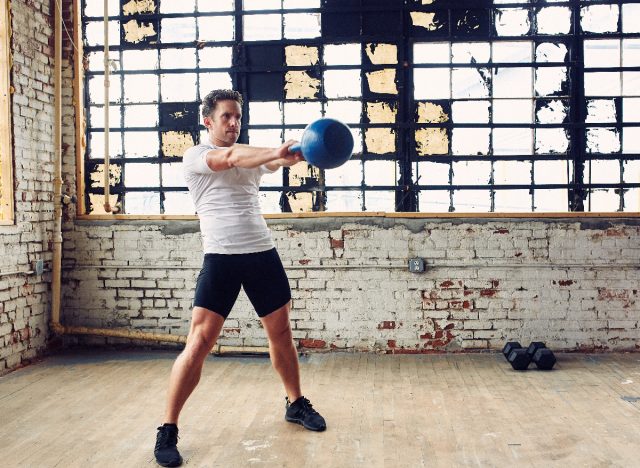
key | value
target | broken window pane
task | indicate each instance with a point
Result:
(380, 140)
(344, 201)
(434, 201)
(179, 87)
(378, 200)
(142, 203)
(141, 144)
(141, 175)
(380, 173)
(297, 55)
(515, 201)
(436, 52)
(471, 201)
(301, 25)
(342, 83)
(512, 82)
(553, 111)
(176, 143)
(346, 111)
(602, 84)
(551, 141)
(470, 141)
(265, 113)
(509, 141)
(432, 141)
(601, 111)
(551, 81)
(97, 175)
(552, 172)
(177, 58)
(554, 20)
(470, 52)
(342, 54)
(179, 203)
(141, 88)
(427, 21)
(96, 203)
(599, 18)
(430, 112)
(299, 84)
(551, 52)
(216, 28)
(512, 172)
(512, 111)
(471, 172)
(470, 83)
(262, 27)
(349, 174)
(512, 52)
(382, 81)
(382, 54)
(215, 57)
(177, 30)
(512, 21)
(601, 53)
(431, 83)
(144, 115)
(470, 111)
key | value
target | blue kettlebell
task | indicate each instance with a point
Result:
(326, 143)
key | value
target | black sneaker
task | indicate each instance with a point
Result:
(166, 451)
(301, 412)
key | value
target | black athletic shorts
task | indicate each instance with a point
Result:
(261, 274)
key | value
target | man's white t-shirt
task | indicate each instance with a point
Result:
(227, 205)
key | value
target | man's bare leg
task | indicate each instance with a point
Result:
(185, 374)
(282, 350)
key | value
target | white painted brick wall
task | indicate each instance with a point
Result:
(24, 299)
(490, 280)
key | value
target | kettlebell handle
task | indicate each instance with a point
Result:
(295, 148)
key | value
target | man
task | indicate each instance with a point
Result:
(223, 179)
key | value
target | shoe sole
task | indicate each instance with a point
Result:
(299, 421)
(170, 464)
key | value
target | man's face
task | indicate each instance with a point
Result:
(224, 123)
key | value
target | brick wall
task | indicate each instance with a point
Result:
(24, 297)
(571, 283)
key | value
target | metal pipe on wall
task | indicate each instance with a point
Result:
(57, 167)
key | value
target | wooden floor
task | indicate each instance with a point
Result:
(95, 409)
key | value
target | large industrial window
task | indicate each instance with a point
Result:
(6, 151)
(455, 105)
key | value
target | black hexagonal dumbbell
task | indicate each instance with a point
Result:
(510, 346)
(544, 359)
(519, 358)
(541, 355)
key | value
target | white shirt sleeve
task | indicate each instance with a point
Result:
(195, 160)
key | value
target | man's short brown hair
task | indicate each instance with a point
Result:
(210, 100)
